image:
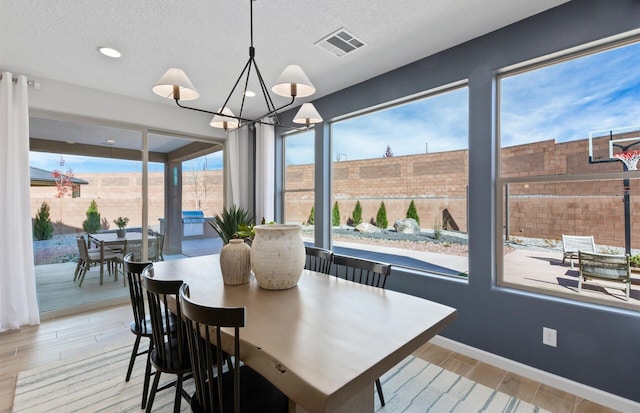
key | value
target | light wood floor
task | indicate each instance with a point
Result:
(70, 336)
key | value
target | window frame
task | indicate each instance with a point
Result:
(577, 52)
(439, 90)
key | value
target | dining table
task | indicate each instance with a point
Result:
(111, 239)
(323, 342)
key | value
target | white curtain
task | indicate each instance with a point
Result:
(265, 170)
(18, 303)
(236, 164)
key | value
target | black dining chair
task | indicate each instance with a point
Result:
(141, 324)
(238, 389)
(170, 353)
(363, 272)
(318, 259)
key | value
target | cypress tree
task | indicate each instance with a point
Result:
(312, 216)
(335, 215)
(412, 212)
(357, 214)
(381, 217)
(91, 225)
(42, 226)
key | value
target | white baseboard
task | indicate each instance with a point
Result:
(590, 393)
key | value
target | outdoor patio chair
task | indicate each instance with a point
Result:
(363, 272)
(318, 259)
(156, 246)
(102, 256)
(613, 268)
(572, 244)
(238, 389)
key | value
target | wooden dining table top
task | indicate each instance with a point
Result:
(321, 341)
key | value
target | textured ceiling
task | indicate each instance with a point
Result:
(210, 39)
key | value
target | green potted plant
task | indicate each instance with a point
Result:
(121, 223)
(230, 221)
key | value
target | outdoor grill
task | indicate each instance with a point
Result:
(192, 223)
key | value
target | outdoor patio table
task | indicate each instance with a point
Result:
(324, 342)
(111, 238)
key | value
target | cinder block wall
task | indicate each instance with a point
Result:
(438, 181)
(120, 194)
(435, 182)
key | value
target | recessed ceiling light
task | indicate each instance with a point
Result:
(70, 142)
(249, 93)
(109, 141)
(110, 52)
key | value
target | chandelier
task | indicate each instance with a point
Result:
(291, 83)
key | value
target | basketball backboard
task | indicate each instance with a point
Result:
(604, 144)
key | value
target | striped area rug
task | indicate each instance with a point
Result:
(96, 384)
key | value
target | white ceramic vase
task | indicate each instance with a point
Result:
(277, 256)
(235, 262)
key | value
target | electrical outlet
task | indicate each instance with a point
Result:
(549, 337)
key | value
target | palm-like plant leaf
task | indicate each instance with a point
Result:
(228, 222)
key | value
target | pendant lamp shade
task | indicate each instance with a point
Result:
(293, 82)
(307, 115)
(225, 122)
(175, 84)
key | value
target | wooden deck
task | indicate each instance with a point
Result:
(59, 295)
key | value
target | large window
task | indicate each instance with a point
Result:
(405, 161)
(561, 125)
(202, 184)
(299, 181)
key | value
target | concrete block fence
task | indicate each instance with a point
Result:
(434, 181)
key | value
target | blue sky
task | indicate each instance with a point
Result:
(85, 164)
(564, 101)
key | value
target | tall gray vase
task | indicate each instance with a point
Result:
(235, 262)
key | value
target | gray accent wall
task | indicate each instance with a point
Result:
(598, 346)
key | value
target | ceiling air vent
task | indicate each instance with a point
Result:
(340, 43)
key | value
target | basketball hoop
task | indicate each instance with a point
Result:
(630, 159)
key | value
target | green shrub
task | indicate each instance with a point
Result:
(381, 217)
(357, 214)
(91, 225)
(312, 216)
(412, 212)
(335, 215)
(42, 226)
(437, 229)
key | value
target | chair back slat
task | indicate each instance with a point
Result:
(318, 259)
(158, 293)
(133, 271)
(361, 271)
(82, 248)
(206, 353)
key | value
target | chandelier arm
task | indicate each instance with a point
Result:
(236, 84)
(248, 121)
(274, 111)
(217, 113)
(265, 93)
(246, 84)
